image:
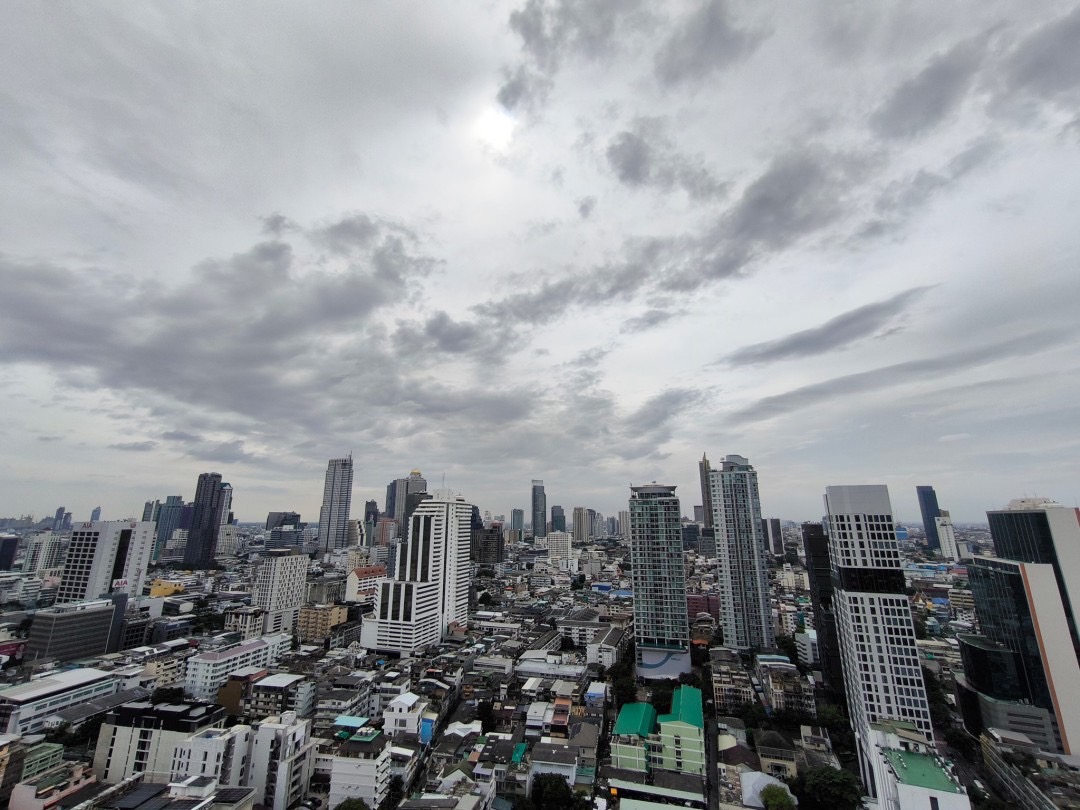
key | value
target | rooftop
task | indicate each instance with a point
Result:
(920, 770)
(279, 681)
(637, 718)
(52, 684)
(685, 707)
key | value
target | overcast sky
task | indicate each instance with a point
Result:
(578, 241)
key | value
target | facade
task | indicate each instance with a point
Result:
(105, 558)
(581, 528)
(217, 753)
(280, 589)
(928, 506)
(742, 573)
(206, 518)
(359, 767)
(282, 760)
(280, 694)
(397, 492)
(633, 726)
(43, 552)
(363, 583)
(705, 474)
(68, 632)
(316, 621)
(558, 519)
(882, 674)
(168, 521)
(207, 672)
(679, 744)
(661, 625)
(25, 707)
(539, 509)
(430, 587)
(773, 536)
(337, 497)
(819, 577)
(560, 554)
(140, 738)
(517, 524)
(490, 545)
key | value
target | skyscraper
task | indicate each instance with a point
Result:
(1021, 672)
(742, 573)
(558, 519)
(773, 536)
(337, 496)
(430, 587)
(517, 525)
(205, 522)
(581, 524)
(928, 505)
(539, 509)
(371, 512)
(819, 576)
(882, 675)
(661, 622)
(706, 491)
(396, 494)
(104, 558)
(95, 515)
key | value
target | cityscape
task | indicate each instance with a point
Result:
(539, 405)
(420, 652)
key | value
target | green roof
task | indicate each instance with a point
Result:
(921, 770)
(636, 718)
(686, 707)
(519, 752)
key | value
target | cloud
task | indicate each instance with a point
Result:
(180, 436)
(50, 438)
(705, 42)
(134, 447)
(648, 320)
(843, 330)
(645, 157)
(891, 376)
(586, 206)
(1047, 63)
(931, 95)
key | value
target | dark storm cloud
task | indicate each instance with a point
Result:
(134, 447)
(930, 96)
(703, 43)
(644, 156)
(894, 375)
(1047, 63)
(838, 332)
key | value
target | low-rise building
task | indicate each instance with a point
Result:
(316, 621)
(278, 694)
(24, 707)
(207, 672)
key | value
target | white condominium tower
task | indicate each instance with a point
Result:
(337, 495)
(280, 589)
(661, 624)
(742, 574)
(110, 556)
(882, 675)
(430, 588)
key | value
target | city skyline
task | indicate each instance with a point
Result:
(838, 241)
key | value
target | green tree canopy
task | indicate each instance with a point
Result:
(552, 792)
(775, 797)
(827, 789)
(353, 804)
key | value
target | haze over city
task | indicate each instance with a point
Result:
(577, 242)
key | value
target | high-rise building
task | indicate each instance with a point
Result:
(9, 544)
(95, 515)
(581, 524)
(168, 521)
(742, 572)
(558, 519)
(928, 505)
(371, 512)
(337, 496)
(58, 519)
(560, 553)
(429, 590)
(773, 536)
(44, 551)
(1023, 668)
(280, 589)
(397, 491)
(704, 470)
(624, 524)
(882, 675)
(517, 525)
(539, 509)
(150, 511)
(819, 576)
(105, 558)
(277, 520)
(949, 547)
(205, 522)
(661, 622)
(490, 545)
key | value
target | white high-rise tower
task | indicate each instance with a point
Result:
(337, 496)
(882, 674)
(110, 556)
(743, 573)
(430, 588)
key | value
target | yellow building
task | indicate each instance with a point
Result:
(316, 621)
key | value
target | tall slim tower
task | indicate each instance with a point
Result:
(517, 525)
(205, 522)
(337, 496)
(430, 587)
(882, 676)
(168, 521)
(742, 574)
(558, 519)
(704, 469)
(661, 621)
(539, 509)
(106, 557)
(581, 524)
(928, 505)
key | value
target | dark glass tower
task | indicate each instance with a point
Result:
(205, 522)
(819, 574)
(558, 519)
(928, 505)
(539, 509)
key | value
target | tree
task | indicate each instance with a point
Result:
(394, 795)
(485, 713)
(353, 804)
(567, 644)
(552, 792)
(661, 696)
(775, 797)
(167, 694)
(624, 691)
(940, 716)
(963, 743)
(485, 598)
(827, 789)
